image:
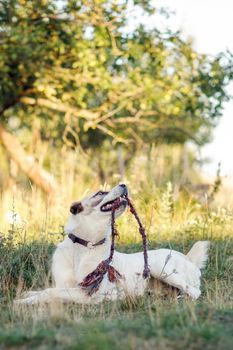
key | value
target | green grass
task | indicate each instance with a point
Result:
(167, 326)
(150, 322)
(147, 323)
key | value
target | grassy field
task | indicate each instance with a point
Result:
(150, 322)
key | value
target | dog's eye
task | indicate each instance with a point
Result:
(76, 208)
(100, 193)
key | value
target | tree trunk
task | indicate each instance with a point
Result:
(27, 163)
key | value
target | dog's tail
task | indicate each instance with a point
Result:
(199, 253)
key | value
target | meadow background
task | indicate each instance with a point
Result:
(90, 96)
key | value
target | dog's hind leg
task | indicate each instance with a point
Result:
(175, 269)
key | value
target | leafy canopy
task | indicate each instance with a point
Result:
(76, 68)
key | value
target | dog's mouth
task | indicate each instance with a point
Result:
(116, 203)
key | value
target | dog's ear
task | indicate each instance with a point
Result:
(76, 208)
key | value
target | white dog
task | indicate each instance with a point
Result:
(88, 243)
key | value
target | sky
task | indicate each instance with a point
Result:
(210, 24)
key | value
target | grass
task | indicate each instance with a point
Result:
(151, 325)
(150, 322)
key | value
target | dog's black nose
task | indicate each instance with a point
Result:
(76, 208)
(124, 188)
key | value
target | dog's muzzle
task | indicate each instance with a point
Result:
(116, 202)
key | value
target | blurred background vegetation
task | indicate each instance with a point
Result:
(85, 100)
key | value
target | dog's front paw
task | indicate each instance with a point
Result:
(30, 294)
(29, 300)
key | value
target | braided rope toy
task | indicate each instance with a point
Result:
(92, 281)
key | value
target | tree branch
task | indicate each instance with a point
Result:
(27, 163)
(59, 106)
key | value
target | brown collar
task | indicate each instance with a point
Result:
(83, 242)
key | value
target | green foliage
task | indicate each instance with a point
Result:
(166, 207)
(27, 263)
(75, 68)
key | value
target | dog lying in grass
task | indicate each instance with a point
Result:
(88, 243)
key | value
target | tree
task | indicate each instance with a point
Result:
(74, 67)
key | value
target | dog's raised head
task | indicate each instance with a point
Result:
(90, 217)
